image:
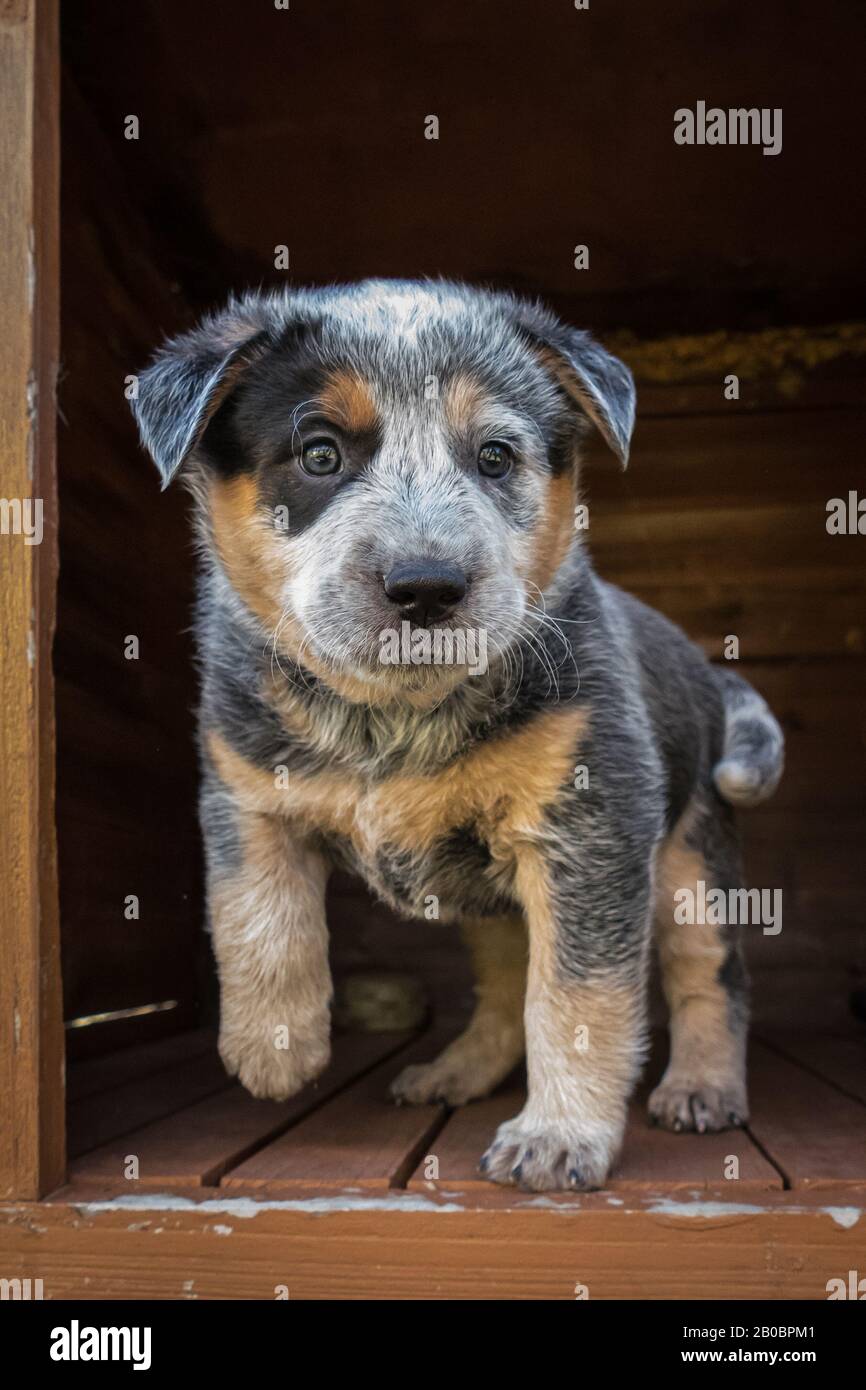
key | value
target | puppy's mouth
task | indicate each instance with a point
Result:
(427, 630)
(403, 655)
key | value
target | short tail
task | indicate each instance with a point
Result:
(753, 755)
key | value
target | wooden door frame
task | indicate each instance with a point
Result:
(32, 1128)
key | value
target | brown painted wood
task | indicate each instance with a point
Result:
(684, 240)
(650, 1159)
(839, 1060)
(360, 1139)
(98, 1118)
(31, 1037)
(198, 1144)
(814, 1133)
(97, 1075)
(776, 1246)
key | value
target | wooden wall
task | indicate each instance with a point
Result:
(305, 127)
(126, 769)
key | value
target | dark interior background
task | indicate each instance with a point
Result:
(261, 127)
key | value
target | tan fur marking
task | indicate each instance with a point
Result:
(502, 786)
(583, 1048)
(349, 402)
(271, 943)
(462, 402)
(705, 1050)
(573, 387)
(554, 533)
(555, 1008)
(492, 1044)
(249, 549)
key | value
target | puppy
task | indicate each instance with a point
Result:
(375, 467)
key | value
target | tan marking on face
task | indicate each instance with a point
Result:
(575, 389)
(462, 402)
(554, 531)
(691, 955)
(349, 401)
(251, 552)
(502, 786)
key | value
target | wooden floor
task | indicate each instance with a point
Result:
(171, 1108)
(181, 1186)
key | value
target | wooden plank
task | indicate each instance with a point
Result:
(99, 1118)
(841, 1060)
(784, 544)
(99, 1074)
(31, 1034)
(814, 1133)
(195, 1146)
(782, 1246)
(813, 623)
(361, 1139)
(651, 1158)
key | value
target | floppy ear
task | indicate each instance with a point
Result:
(190, 378)
(601, 385)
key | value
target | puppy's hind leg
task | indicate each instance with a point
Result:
(492, 1044)
(704, 980)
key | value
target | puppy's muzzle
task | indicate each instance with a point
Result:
(425, 591)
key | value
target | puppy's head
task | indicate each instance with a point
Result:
(389, 459)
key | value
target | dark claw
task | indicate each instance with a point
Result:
(484, 1164)
(517, 1173)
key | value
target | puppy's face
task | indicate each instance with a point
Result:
(390, 461)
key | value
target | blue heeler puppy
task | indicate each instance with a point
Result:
(399, 453)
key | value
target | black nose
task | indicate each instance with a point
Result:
(425, 590)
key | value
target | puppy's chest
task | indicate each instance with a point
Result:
(431, 846)
(444, 842)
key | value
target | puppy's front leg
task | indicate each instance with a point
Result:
(584, 1019)
(266, 904)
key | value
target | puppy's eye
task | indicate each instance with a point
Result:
(321, 457)
(495, 460)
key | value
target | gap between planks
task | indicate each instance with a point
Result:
(200, 1142)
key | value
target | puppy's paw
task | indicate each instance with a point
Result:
(266, 1068)
(441, 1080)
(423, 1085)
(684, 1104)
(546, 1158)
